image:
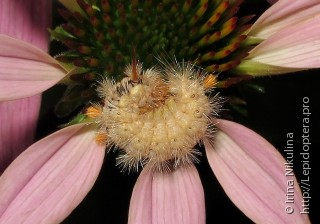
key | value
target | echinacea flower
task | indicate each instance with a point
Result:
(19, 118)
(56, 172)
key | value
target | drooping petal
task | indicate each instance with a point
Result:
(48, 180)
(296, 47)
(293, 49)
(168, 198)
(25, 70)
(19, 118)
(252, 173)
(18, 125)
(141, 200)
(282, 15)
(32, 23)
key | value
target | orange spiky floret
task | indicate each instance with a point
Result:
(101, 138)
(210, 81)
(93, 111)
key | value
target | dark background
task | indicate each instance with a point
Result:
(271, 114)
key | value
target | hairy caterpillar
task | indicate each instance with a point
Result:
(155, 117)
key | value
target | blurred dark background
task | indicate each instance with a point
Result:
(272, 114)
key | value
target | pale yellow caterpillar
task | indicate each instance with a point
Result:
(156, 117)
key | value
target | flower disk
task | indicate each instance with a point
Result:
(101, 34)
(156, 117)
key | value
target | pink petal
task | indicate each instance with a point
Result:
(282, 15)
(32, 23)
(295, 47)
(252, 173)
(141, 198)
(19, 118)
(25, 70)
(48, 180)
(170, 198)
(18, 124)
